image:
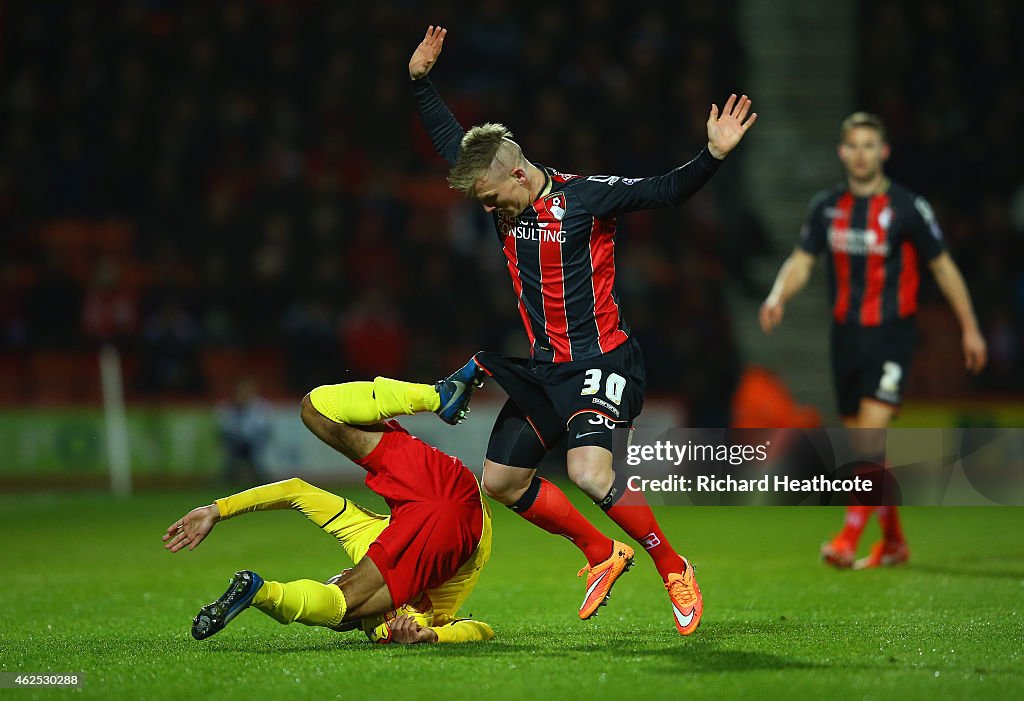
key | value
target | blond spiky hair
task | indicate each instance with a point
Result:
(862, 119)
(483, 148)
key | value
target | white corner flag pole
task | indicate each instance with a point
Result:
(117, 425)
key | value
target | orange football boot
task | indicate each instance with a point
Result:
(601, 577)
(839, 553)
(884, 554)
(687, 602)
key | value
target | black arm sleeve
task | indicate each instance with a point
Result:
(606, 195)
(925, 231)
(445, 131)
(813, 233)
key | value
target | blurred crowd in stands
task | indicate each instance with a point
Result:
(229, 188)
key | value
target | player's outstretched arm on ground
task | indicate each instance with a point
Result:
(951, 282)
(792, 277)
(352, 525)
(316, 504)
(192, 528)
(425, 55)
(727, 129)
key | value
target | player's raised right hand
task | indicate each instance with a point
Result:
(425, 55)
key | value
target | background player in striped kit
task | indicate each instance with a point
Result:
(586, 372)
(876, 232)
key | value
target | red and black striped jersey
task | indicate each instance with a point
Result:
(560, 254)
(560, 251)
(877, 244)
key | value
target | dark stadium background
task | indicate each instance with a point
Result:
(229, 189)
(199, 191)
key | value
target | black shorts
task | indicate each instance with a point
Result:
(871, 362)
(588, 398)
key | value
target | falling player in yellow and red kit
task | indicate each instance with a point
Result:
(425, 558)
(876, 232)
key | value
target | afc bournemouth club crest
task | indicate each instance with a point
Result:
(556, 205)
(885, 218)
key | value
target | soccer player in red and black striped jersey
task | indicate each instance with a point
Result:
(585, 374)
(877, 233)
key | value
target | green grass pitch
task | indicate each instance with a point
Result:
(87, 588)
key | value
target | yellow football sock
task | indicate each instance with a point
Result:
(305, 601)
(364, 403)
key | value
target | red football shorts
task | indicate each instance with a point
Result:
(436, 514)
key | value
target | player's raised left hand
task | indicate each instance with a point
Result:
(726, 130)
